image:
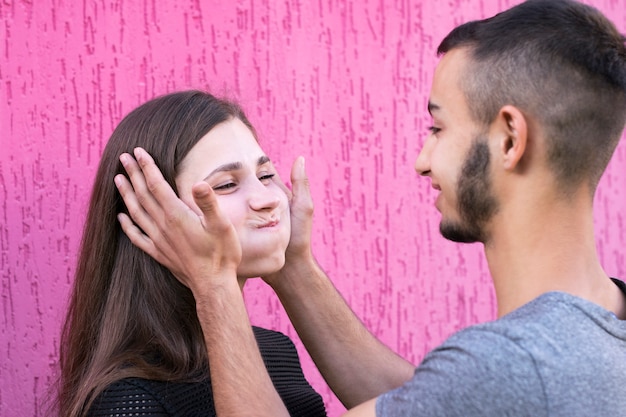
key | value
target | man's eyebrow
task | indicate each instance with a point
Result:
(432, 107)
(234, 166)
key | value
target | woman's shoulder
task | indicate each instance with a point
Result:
(263, 334)
(129, 396)
(274, 343)
(283, 365)
(143, 397)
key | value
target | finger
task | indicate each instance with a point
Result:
(216, 223)
(206, 200)
(139, 239)
(141, 193)
(163, 210)
(135, 210)
(301, 186)
(159, 190)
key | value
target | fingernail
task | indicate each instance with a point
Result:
(124, 159)
(118, 181)
(302, 162)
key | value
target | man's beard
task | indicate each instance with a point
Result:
(476, 203)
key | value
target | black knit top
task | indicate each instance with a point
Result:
(141, 397)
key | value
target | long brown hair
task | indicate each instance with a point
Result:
(128, 316)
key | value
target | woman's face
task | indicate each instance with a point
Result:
(242, 176)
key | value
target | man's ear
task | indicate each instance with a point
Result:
(513, 134)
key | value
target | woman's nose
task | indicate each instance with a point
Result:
(263, 197)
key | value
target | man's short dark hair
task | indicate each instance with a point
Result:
(561, 62)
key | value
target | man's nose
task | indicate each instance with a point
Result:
(422, 163)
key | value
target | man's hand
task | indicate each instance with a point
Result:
(193, 247)
(344, 351)
(301, 208)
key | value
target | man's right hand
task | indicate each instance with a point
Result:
(193, 247)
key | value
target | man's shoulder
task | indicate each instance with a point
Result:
(551, 323)
(477, 369)
(552, 339)
(545, 356)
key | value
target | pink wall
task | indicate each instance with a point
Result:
(343, 82)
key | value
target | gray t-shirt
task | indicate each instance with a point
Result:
(558, 355)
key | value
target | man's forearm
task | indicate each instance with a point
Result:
(240, 382)
(355, 364)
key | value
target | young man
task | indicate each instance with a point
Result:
(527, 109)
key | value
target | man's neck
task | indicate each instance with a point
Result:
(548, 248)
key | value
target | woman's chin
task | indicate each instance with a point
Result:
(261, 267)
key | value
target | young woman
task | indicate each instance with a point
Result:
(132, 343)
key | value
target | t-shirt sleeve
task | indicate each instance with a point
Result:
(126, 398)
(474, 373)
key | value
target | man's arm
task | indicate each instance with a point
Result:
(203, 252)
(355, 364)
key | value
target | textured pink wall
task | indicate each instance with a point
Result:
(342, 82)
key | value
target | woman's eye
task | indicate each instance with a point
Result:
(225, 186)
(266, 177)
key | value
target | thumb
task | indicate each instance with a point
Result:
(205, 198)
(300, 183)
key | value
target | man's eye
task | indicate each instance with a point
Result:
(434, 130)
(225, 186)
(266, 177)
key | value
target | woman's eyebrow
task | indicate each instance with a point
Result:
(231, 166)
(234, 166)
(263, 160)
